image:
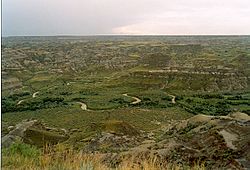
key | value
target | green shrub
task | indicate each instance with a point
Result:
(237, 97)
(209, 96)
(119, 101)
(179, 98)
(8, 104)
(18, 95)
(22, 149)
(167, 98)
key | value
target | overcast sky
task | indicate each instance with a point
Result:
(89, 17)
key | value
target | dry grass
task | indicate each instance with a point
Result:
(61, 158)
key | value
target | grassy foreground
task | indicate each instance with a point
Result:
(25, 157)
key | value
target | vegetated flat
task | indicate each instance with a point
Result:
(207, 74)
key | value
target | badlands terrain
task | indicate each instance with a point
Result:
(141, 102)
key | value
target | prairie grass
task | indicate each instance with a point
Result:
(25, 157)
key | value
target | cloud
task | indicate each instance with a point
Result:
(183, 20)
(81, 17)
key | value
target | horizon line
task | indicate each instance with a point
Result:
(93, 35)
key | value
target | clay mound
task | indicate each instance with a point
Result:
(33, 132)
(203, 121)
(240, 116)
(17, 133)
(119, 128)
(220, 141)
(111, 135)
(41, 138)
(199, 119)
(193, 122)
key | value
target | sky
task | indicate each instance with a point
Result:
(133, 17)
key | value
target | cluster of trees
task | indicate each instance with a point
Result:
(167, 98)
(148, 102)
(205, 107)
(224, 106)
(209, 96)
(219, 96)
(16, 96)
(178, 97)
(119, 101)
(9, 105)
(241, 102)
(237, 97)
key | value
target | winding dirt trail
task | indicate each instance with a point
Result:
(83, 105)
(173, 98)
(137, 100)
(34, 94)
(20, 102)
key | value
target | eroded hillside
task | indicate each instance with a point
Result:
(223, 62)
